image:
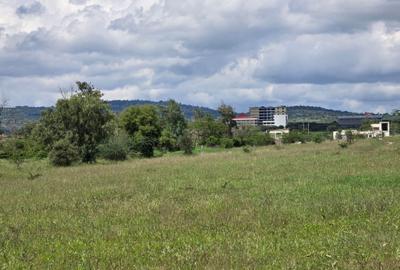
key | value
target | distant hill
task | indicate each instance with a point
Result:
(18, 116)
(315, 114)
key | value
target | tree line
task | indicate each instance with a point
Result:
(81, 128)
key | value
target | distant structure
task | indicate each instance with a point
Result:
(379, 130)
(264, 116)
(243, 120)
(355, 121)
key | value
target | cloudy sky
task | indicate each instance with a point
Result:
(342, 54)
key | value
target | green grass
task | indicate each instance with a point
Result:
(300, 207)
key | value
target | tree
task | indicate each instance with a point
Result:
(142, 123)
(186, 143)
(173, 123)
(204, 126)
(84, 118)
(63, 153)
(173, 118)
(226, 116)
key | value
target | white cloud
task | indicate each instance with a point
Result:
(338, 54)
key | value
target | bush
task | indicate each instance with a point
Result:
(115, 149)
(186, 143)
(259, 139)
(317, 138)
(246, 149)
(64, 153)
(343, 145)
(15, 150)
(226, 143)
(349, 137)
(293, 137)
(168, 141)
(144, 145)
(212, 141)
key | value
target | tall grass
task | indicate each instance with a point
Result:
(298, 207)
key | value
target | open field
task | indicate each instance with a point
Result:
(300, 207)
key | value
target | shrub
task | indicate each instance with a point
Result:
(64, 153)
(349, 137)
(226, 143)
(168, 141)
(186, 143)
(144, 145)
(246, 149)
(318, 138)
(343, 145)
(293, 137)
(115, 149)
(16, 150)
(260, 139)
(212, 141)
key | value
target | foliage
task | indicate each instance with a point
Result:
(343, 144)
(259, 139)
(15, 150)
(212, 141)
(83, 117)
(173, 119)
(226, 143)
(204, 126)
(226, 117)
(293, 137)
(317, 138)
(186, 143)
(116, 148)
(349, 137)
(246, 149)
(64, 153)
(142, 123)
(168, 141)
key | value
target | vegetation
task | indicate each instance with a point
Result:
(143, 125)
(83, 118)
(116, 148)
(63, 153)
(300, 207)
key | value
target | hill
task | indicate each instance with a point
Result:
(17, 116)
(314, 114)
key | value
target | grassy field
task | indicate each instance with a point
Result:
(300, 207)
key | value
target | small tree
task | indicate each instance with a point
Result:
(143, 125)
(226, 116)
(349, 137)
(64, 153)
(186, 143)
(116, 148)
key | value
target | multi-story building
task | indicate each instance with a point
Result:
(268, 116)
(244, 120)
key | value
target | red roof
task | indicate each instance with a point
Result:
(242, 115)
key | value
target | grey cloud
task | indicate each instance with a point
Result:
(78, 2)
(35, 8)
(242, 52)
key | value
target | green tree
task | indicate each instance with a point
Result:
(64, 153)
(173, 119)
(186, 143)
(226, 116)
(142, 123)
(173, 123)
(204, 126)
(84, 118)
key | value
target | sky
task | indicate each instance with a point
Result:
(337, 54)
